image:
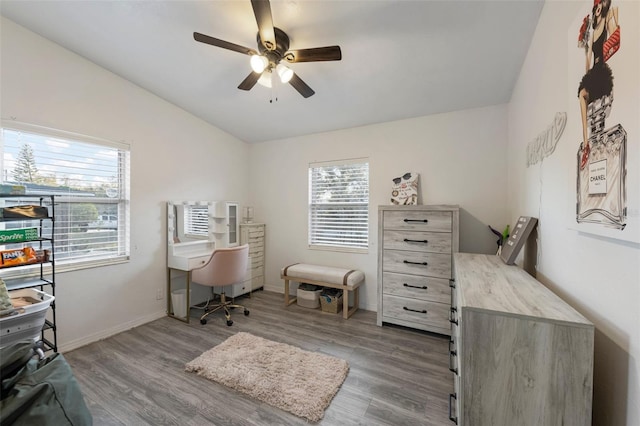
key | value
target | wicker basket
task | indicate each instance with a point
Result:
(330, 303)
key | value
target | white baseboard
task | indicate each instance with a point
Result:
(103, 334)
(274, 288)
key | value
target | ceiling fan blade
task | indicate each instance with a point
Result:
(202, 38)
(301, 86)
(262, 10)
(316, 54)
(250, 81)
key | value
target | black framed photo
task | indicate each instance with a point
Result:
(521, 231)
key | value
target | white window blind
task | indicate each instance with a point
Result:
(196, 220)
(90, 180)
(339, 204)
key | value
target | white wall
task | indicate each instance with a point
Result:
(174, 156)
(461, 158)
(600, 277)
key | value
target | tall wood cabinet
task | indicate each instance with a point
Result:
(254, 235)
(415, 247)
(520, 355)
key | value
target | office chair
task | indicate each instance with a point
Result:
(226, 266)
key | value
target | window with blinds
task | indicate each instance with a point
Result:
(339, 205)
(90, 180)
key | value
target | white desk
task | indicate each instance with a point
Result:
(186, 257)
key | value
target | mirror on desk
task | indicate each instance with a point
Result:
(188, 221)
(188, 235)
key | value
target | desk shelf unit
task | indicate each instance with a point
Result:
(224, 223)
(41, 274)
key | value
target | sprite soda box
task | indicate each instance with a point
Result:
(18, 235)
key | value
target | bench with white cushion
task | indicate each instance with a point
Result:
(347, 280)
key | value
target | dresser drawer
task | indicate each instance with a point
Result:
(255, 233)
(431, 314)
(255, 240)
(416, 263)
(197, 262)
(433, 242)
(256, 251)
(255, 272)
(255, 262)
(257, 281)
(417, 287)
(418, 220)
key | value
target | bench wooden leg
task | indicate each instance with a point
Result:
(345, 305)
(346, 312)
(287, 299)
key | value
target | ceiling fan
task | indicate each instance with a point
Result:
(273, 48)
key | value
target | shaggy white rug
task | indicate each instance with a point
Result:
(292, 379)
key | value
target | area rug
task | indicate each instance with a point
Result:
(284, 376)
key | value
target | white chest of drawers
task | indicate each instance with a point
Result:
(415, 250)
(254, 235)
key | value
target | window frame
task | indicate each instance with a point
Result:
(123, 201)
(329, 247)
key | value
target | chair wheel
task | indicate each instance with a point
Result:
(229, 323)
(246, 312)
(203, 321)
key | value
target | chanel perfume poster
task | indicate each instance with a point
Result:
(602, 132)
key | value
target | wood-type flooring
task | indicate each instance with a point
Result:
(397, 376)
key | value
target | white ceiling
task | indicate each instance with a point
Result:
(400, 58)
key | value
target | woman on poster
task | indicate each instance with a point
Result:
(598, 79)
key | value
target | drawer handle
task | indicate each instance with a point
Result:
(453, 419)
(424, 287)
(424, 311)
(452, 283)
(416, 220)
(415, 263)
(406, 240)
(452, 353)
(453, 320)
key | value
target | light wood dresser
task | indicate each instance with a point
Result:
(415, 250)
(520, 355)
(254, 235)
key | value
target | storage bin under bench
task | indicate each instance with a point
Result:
(347, 280)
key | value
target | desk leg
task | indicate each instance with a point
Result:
(168, 294)
(188, 295)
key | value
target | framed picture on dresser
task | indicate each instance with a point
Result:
(518, 237)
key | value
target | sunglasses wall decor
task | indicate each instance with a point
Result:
(404, 189)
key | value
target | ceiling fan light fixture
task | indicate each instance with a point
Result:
(259, 63)
(265, 79)
(285, 73)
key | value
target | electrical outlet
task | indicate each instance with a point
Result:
(159, 294)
